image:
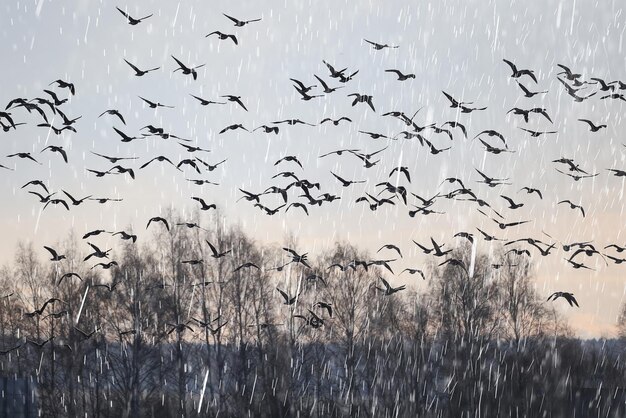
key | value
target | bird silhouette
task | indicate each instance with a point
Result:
(569, 297)
(131, 20)
(138, 72)
(223, 36)
(378, 47)
(54, 254)
(518, 73)
(240, 23)
(592, 126)
(158, 219)
(388, 290)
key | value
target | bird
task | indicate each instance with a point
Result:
(42, 199)
(110, 287)
(65, 85)
(535, 134)
(414, 271)
(113, 112)
(161, 159)
(325, 86)
(94, 233)
(205, 102)
(503, 225)
(204, 206)
(187, 70)
(293, 122)
(453, 102)
(114, 160)
(39, 344)
(36, 183)
(106, 266)
(24, 155)
(492, 133)
(97, 252)
(235, 99)
(454, 262)
(158, 219)
(512, 204)
(494, 150)
(568, 73)
(401, 169)
(388, 290)
(268, 129)
(39, 311)
(604, 86)
(531, 190)
(327, 306)
(179, 328)
(121, 170)
(401, 76)
(488, 237)
(346, 183)
(528, 93)
(335, 121)
(390, 247)
(378, 47)
(298, 205)
(573, 206)
(57, 131)
(269, 211)
(138, 72)
(223, 36)
(233, 127)
(301, 87)
(58, 149)
(54, 254)
(246, 265)
(240, 23)
(126, 236)
(53, 95)
(468, 236)
(569, 297)
(56, 202)
(7, 351)
(153, 105)
(131, 20)
(362, 98)
(288, 299)
(592, 126)
(287, 158)
(518, 73)
(297, 258)
(217, 254)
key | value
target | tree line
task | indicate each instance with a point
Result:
(171, 331)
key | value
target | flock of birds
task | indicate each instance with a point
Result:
(309, 193)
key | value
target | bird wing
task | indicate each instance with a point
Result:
(51, 251)
(123, 12)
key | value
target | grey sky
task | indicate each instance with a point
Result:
(456, 46)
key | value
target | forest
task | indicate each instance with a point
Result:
(168, 327)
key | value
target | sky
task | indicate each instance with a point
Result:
(455, 46)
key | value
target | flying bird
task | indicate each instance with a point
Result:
(518, 73)
(138, 72)
(240, 23)
(378, 47)
(569, 297)
(592, 126)
(188, 70)
(223, 36)
(131, 20)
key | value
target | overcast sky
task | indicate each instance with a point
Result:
(456, 46)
